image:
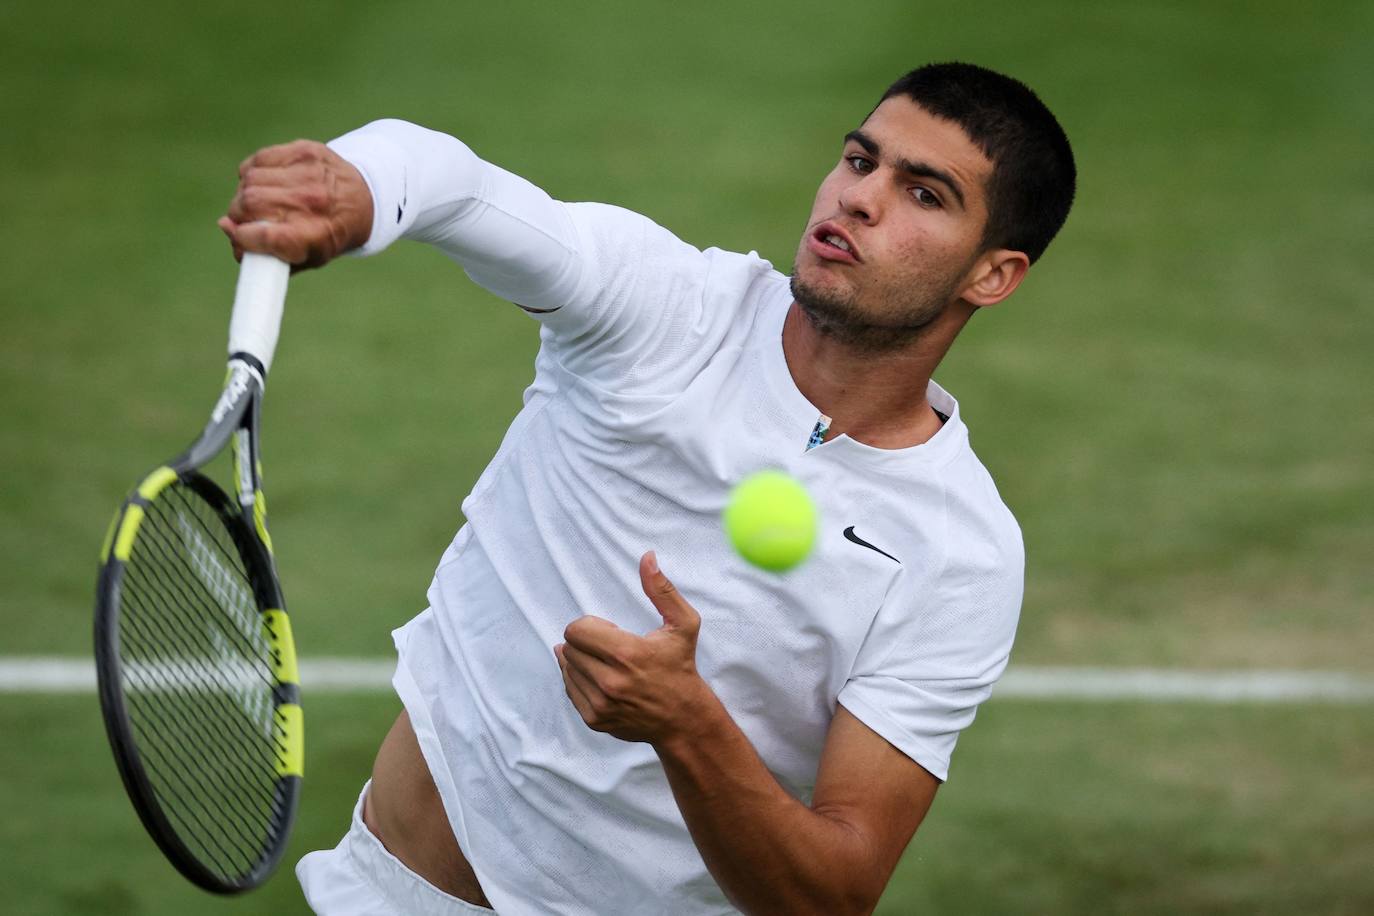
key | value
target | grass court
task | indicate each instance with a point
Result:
(1178, 404)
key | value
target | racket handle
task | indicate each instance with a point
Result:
(258, 302)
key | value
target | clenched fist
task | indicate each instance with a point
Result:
(300, 202)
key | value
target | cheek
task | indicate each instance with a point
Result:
(933, 244)
(827, 197)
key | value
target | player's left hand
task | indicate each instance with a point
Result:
(637, 688)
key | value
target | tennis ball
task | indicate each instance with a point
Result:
(771, 520)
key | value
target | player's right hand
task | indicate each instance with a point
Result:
(300, 202)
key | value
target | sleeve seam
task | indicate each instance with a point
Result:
(911, 745)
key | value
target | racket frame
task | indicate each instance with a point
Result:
(233, 423)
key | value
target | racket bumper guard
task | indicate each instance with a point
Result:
(289, 727)
(156, 482)
(276, 626)
(128, 530)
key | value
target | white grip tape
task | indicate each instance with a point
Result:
(258, 302)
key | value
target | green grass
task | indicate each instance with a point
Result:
(75, 846)
(1179, 404)
(1053, 808)
(1125, 808)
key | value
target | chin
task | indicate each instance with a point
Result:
(827, 303)
(815, 278)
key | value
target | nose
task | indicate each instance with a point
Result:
(860, 200)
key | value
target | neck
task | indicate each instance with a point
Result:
(877, 398)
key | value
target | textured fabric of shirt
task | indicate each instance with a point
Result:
(659, 384)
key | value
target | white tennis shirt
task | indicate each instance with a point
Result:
(660, 383)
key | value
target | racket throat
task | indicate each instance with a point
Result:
(245, 480)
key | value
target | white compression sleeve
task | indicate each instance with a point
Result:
(510, 236)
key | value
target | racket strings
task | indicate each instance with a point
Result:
(230, 790)
(159, 555)
(172, 669)
(179, 647)
(197, 683)
(174, 571)
(211, 798)
(202, 829)
(200, 803)
(218, 741)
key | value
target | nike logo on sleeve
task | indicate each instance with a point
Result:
(850, 535)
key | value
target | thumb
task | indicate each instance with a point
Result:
(676, 612)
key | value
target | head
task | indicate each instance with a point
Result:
(943, 197)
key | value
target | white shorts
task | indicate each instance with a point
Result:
(360, 878)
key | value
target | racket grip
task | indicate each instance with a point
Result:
(258, 302)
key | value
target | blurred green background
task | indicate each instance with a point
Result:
(1178, 404)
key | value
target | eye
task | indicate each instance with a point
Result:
(925, 197)
(859, 164)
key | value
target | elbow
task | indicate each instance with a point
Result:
(855, 899)
(857, 905)
(843, 872)
(830, 894)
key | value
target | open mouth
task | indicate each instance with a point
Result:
(829, 242)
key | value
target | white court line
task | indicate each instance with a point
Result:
(53, 674)
(1161, 684)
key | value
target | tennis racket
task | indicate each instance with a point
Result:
(194, 656)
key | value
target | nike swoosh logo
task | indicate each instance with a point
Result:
(850, 535)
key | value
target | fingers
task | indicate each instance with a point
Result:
(255, 202)
(277, 239)
(600, 638)
(271, 224)
(677, 613)
(604, 676)
(317, 204)
(226, 226)
(297, 173)
(282, 193)
(579, 689)
(284, 154)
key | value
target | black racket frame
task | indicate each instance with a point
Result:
(235, 417)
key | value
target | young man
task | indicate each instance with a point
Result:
(584, 734)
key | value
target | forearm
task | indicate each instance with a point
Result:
(508, 234)
(768, 851)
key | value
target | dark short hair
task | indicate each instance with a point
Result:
(1033, 177)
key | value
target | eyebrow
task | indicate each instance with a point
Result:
(915, 169)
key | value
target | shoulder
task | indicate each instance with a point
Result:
(983, 576)
(959, 521)
(977, 517)
(976, 513)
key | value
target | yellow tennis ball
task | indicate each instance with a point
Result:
(771, 520)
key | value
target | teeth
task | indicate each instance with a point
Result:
(837, 242)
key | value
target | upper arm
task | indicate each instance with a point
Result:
(875, 790)
(624, 302)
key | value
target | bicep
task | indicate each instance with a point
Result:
(878, 792)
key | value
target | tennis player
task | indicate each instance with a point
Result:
(606, 710)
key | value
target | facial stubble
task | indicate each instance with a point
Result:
(890, 324)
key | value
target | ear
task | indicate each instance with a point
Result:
(995, 276)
